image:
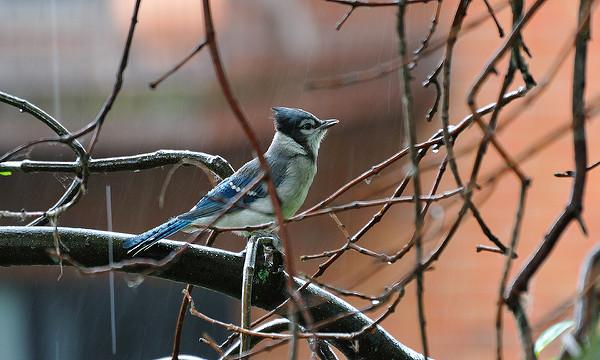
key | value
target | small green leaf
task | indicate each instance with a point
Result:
(5, 173)
(551, 334)
(263, 275)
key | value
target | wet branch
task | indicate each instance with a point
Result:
(159, 158)
(205, 267)
(575, 206)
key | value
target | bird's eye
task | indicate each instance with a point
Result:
(307, 126)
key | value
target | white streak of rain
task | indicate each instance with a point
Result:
(111, 275)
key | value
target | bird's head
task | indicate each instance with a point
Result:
(302, 127)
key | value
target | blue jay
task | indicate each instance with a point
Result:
(292, 157)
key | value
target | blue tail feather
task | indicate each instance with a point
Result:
(146, 239)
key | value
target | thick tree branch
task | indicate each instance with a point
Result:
(214, 163)
(211, 268)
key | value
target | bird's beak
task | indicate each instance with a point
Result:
(326, 124)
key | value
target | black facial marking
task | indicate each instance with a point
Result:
(291, 122)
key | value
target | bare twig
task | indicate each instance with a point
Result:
(388, 67)
(174, 69)
(303, 335)
(107, 106)
(385, 201)
(179, 324)
(435, 140)
(346, 16)
(493, 15)
(251, 135)
(571, 173)
(206, 339)
(54, 125)
(574, 208)
(524, 329)
(78, 185)
(411, 138)
(432, 26)
(367, 3)
(432, 79)
(507, 266)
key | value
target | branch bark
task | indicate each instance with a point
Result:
(210, 268)
(214, 163)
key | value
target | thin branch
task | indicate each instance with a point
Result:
(340, 291)
(514, 34)
(490, 128)
(346, 16)
(435, 140)
(432, 26)
(25, 106)
(174, 69)
(78, 185)
(385, 201)
(303, 335)
(457, 22)
(251, 135)
(507, 266)
(571, 173)
(367, 3)
(493, 15)
(411, 138)
(107, 106)
(433, 79)
(524, 329)
(274, 326)
(575, 207)
(436, 183)
(179, 324)
(210, 342)
(184, 307)
(390, 66)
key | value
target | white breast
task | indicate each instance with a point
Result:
(293, 190)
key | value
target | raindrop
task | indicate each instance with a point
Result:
(134, 280)
(436, 212)
(111, 275)
(375, 302)
(435, 149)
(409, 169)
(20, 110)
(389, 263)
(370, 179)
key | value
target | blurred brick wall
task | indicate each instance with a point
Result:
(269, 57)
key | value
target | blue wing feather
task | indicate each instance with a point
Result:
(213, 202)
(140, 242)
(219, 197)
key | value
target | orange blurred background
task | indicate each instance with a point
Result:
(63, 55)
